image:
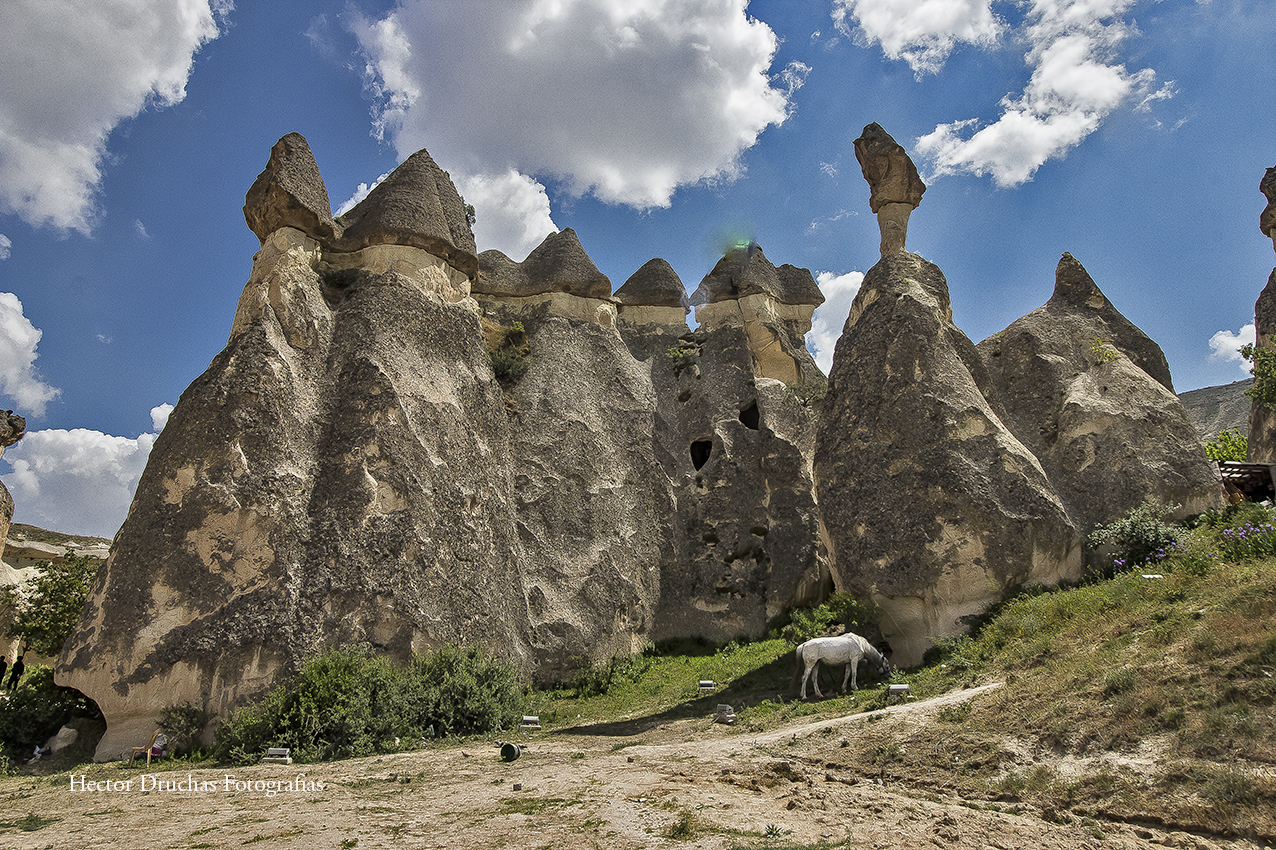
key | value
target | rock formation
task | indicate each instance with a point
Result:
(1267, 218)
(1262, 418)
(929, 503)
(406, 444)
(349, 468)
(12, 429)
(895, 187)
(948, 474)
(1090, 395)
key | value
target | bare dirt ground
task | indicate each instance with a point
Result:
(690, 784)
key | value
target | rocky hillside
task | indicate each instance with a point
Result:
(406, 444)
(1216, 409)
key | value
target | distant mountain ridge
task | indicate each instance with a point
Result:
(1216, 409)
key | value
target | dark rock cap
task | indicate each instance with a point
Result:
(289, 193)
(656, 284)
(798, 286)
(12, 428)
(742, 271)
(416, 205)
(1073, 284)
(1267, 219)
(559, 264)
(892, 177)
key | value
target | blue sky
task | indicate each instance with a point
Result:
(1131, 133)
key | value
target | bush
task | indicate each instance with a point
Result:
(44, 617)
(37, 709)
(806, 623)
(183, 725)
(811, 392)
(348, 702)
(597, 680)
(1142, 536)
(1228, 445)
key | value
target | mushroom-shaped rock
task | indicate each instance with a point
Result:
(1267, 219)
(656, 284)
(798, 286)
(416, 205)
(891, 175)
(289, 192)
(560, 264)
(895, 187)
(500, 276)
(12, 429)
(742, 271)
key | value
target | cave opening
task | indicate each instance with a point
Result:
(700, 451)
(751, 417)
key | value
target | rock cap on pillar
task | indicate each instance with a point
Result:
(1267, 218)
(895, 186)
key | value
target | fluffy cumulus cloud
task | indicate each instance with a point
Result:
(921, 32)
(1226, 346)
(78, 481)
(580, 95)
(826, 323)
(1076, 82)
(18, 377)
(69, 73)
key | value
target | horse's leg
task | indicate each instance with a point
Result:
(849, 674)
(812, 667)
(854, 671)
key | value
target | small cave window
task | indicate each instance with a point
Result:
(700, 451)
(750, 416)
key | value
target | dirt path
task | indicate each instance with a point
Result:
(689, 784)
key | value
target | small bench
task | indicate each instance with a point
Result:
(724, 714)
(708, 686)
(901, 691)
(530, 721)
(277, 755)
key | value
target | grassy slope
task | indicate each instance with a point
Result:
(1136, 699)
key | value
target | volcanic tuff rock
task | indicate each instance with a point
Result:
(1267, 218)
(929, 503)
(895, 187)
(1090, 395)
(1262, 419)
(349, 469)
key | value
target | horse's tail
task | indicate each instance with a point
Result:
(797, 673)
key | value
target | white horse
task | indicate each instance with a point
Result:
(847, 649)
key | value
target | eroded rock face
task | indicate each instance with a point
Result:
(349, 470)
(894, 184)
(1267, 218)
(1090, 395)
(1262, 419)
(929, 503)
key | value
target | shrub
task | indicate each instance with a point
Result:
(508, 364)
(1140, 537)
(811, 392)
(37, 709)
(1264, 372)
(44, 617)
(806, 623)
(1228, 445)
(348, 702)
(183, 725)
(597, 680)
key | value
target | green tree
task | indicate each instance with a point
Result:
(1228, 445)
(1264, 372)
(45, 614)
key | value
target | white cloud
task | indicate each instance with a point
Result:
(1226, 346)
(827, 321)
(511, 212)
(1076, 82)
(18, 377)
(361, 191)
(69, 73)
(140, 229)
(585, 93)
(159, 416)
(6, 245)
(921, 32)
